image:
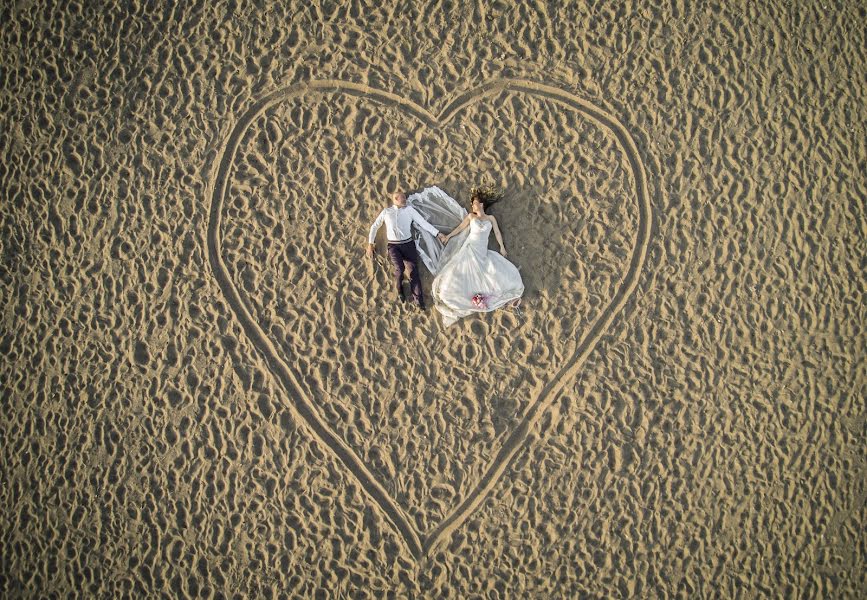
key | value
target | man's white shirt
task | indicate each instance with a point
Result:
(398, 223)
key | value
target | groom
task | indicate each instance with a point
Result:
(398, 220)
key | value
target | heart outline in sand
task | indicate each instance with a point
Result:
(418, 543)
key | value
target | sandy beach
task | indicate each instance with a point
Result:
(208, 390)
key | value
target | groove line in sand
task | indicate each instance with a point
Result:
(418, 543)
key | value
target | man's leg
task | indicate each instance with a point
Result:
(410, 256)
(397, 261)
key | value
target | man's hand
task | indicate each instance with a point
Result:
(370, 250)
(442, 238)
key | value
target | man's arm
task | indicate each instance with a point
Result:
(371, 237)
(423, 223)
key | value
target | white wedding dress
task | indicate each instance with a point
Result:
(468, 276)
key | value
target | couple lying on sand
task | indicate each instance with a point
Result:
(468, 277)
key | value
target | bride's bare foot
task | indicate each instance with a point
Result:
(515, 303)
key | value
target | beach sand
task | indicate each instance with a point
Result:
(209, 391)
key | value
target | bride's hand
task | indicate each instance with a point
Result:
(503, 251)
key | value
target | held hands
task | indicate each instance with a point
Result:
(442, 238)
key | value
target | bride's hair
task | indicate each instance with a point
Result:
(487, 194)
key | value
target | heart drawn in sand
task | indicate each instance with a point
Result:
(420, 543)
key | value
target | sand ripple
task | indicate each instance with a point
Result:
(712, 444)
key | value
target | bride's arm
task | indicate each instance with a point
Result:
(499, 236)
(459, 228)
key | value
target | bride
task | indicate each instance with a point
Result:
(468, 277)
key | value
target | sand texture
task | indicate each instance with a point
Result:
(209, 391)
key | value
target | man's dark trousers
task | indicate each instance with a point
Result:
(404, 254)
